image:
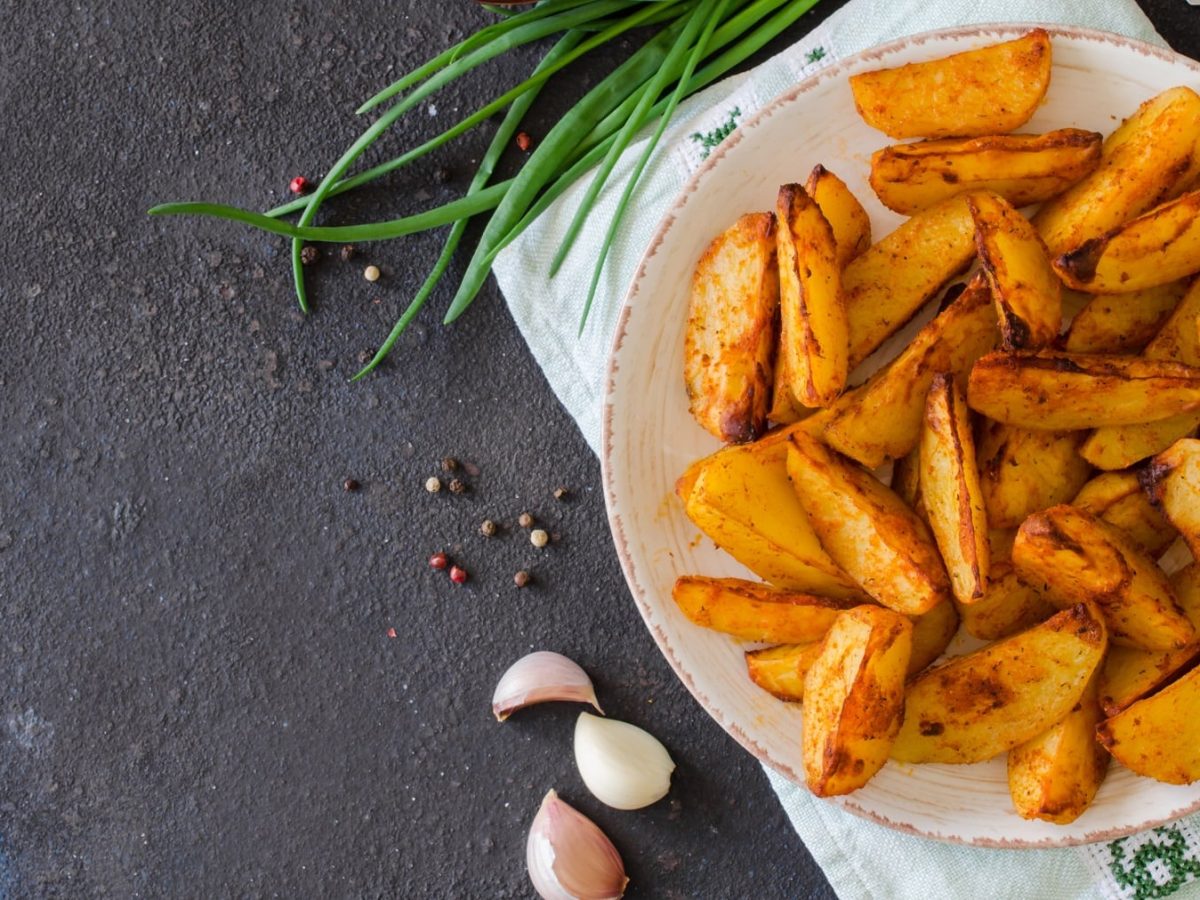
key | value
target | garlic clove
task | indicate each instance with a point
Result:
(569, 857)
(540, 677)
(621, 764)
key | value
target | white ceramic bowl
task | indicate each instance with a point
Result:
(649, 437)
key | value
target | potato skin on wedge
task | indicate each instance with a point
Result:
(755, 612)
(1123, 323)
(780, 670)
(1159, 737)
(850, 223)
(976, 706)
(1172, 481)
(854, 699)
(729, 340)
(1022, 471)
(1118, 499)
(993, 89)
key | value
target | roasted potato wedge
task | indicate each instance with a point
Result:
(932, 633)
(850, 223)
(1123, 323)
(1070, 391)
(854, 699)
(1172, 480)
(976, 706)
(906, 481)
(1022, 471)
(1021, 168)
(950, 488)
(986, 91)
(812, 332)
(1028, 295)
(756, 612)
(867, 529)
(1118, 499)
(729, 341)
(882, 418)
(780, 670)
(1073, 557)
(1055, 775)
(1009, 605)
(1145, 161)
(1159, 737)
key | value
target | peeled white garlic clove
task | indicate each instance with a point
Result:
(621, 764)
(569, 857)
(538, 678)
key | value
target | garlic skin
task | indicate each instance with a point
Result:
(622, 765)
(569, 857)
(538, 678)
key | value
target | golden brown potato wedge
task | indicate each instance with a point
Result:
(1021, 168)
(986, 91)
(932, 633)
(1022, 471)
(1069, 391)
(1073, 557)
(867, 529)
(1123, 323)
(882, 418)
(1172, 480)
(771, 449)
(780, 670)
(1159, 737)
(1177, 341)
(1028, 295)
(1118, 499)
(812, 316)
(886, 285)
(854, 699)
(950, 488)
(1145, 161)
(729, 342)
(1010, 605)
(906, 481)
(756, 612)
(976, 706)
(1055, 775)
(850, 223)
(1156, 248)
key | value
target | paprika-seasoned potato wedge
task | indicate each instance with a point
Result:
(1074, 557)
(1148, 159)
(906, 481)
(1123, 323)
(780, 670)
(854, 699)
(976, 706)
(889, 282)
(986, 91)
(755, 612)
(1069, 391)
(867, 529)
(1022, 471)
(1118, 499)
(953, 498)
(1021, 168)
(1172, 479)
(1159, 737)
(882, 419)
(932, 633)
(850, 223)
(729, 341)
(1156, 248)
(1009, 605)
(1055, 775)
(812, 317)
(1028, 295)
(771, 449)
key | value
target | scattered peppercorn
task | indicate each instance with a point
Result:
(539, 538)
(439, 560)
(347, 253)
(488, 528)
(350, 485)
(560, 493)
(309, 255)
(391, 632)
(457, 486)
(521, 579)
(371, 273)
(298, 185)
(365, 356)
(433, 484)
(525, 520)
(524, 141)
(458, 575)
(449, 464)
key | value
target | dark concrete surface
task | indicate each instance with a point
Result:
(200, 696)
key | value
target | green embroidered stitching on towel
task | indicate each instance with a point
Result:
(718, 134)
(1138, 876)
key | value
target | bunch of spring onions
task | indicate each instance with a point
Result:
(693, 43)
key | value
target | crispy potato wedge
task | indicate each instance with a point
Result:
(812, 332)
(1022, 471)
(888, 283)
(743, 501)
(976, 706)
(780, 670)
(1159, 737)
(1055, 775)
(1123, 323)
(756, 612)
(729, 341)
(952, 495)
(1118, 499)
(1177, 341)
(850, 223)
(986, 91)
(1028, 295)
(1156, 248)
(854, 699)
(906, 481)
(1069, 391)
(1172, 480)
(1073, 557)
(1021, 168)
(770, 448)
(867, 529)
(1145, 161)
(932, 633)
(1010, 605)
(882, 418)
